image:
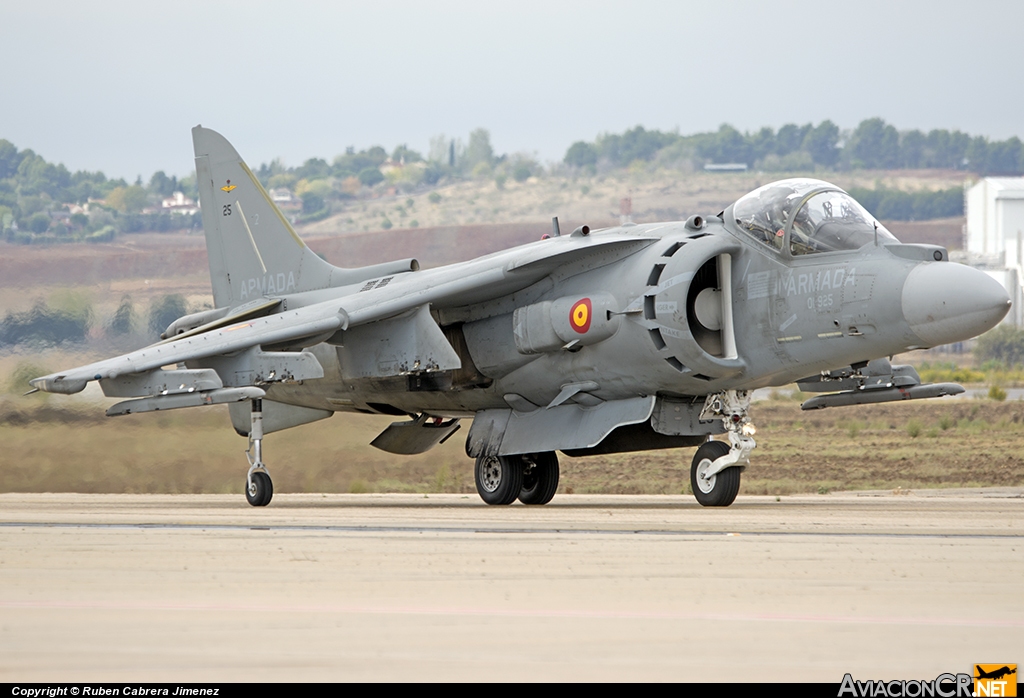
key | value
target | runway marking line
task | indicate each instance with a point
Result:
(505, 531)
(517, 613)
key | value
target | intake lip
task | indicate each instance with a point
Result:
(945, 303)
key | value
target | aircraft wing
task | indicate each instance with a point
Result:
(289, 326)
(476, 281)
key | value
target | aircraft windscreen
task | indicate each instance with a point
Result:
(832, 221)
(764, 212)
(827, 221)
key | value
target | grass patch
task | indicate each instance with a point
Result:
(48, 449)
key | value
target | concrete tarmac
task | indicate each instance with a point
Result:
(194, 588)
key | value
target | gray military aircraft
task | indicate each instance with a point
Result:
(626, 339)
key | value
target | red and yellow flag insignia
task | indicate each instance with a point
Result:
(579, 316)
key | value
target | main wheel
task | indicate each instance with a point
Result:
(259, 491)
(499, 479)
(720, 489)
(540, 478)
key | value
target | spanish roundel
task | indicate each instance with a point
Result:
(579, 316)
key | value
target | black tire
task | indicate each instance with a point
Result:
(261, 490)
(499, 479)
(540, 478)
(724, 486)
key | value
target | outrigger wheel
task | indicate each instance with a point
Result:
(259, 490)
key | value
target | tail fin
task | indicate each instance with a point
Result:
(253, 250)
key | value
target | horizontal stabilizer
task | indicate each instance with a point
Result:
(218, 317)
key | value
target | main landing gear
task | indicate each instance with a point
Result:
(716, 468)
(532, 478)
(258, 486)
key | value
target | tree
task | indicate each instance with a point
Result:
(166, 310)
(9, 159)
(1004, 344)
(406, 155)
(371, 176)
(38, 223)
(875, 144)
(727, 145)
(912, 149)
(312, 202)
(68, 321)
(580, 154)
(821, 142)
(127, 199)
(636, 144)
(162, 185)
(123, 321)
(479, 150)
(791, 138)
(438, 151)
(762, 143)
(314, 168)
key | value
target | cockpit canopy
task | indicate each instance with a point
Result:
(807, 216)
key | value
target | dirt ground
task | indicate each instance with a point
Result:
(950, 442)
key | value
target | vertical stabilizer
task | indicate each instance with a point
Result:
(253, 250)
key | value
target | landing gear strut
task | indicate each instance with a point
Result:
(716, 468)
(532, 478)
(258, 486)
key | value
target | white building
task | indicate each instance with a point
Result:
(994, 235)
(179, 203)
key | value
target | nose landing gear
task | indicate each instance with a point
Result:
(716, 468)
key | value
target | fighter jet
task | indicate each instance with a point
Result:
(638, 337)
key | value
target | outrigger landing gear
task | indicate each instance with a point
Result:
(716, 468)
(258, 486)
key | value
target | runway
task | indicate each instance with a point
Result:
(195, 588)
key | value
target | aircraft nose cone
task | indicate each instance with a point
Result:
(945, 303)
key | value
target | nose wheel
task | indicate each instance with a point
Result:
(259, 489)
(713, 489)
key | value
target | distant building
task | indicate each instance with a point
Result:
(725, 167)
(179, 203)
(994, 235)
(284, 199)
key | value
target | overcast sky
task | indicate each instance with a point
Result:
(116, 86)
